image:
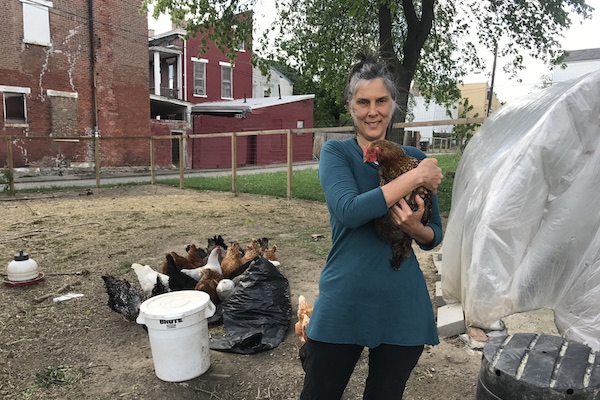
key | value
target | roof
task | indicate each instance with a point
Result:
(173, 32)
(282, 75)
(582, 55)
(243, 106)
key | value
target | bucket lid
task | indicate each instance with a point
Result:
(175, 304)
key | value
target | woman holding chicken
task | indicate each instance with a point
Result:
(363, 302)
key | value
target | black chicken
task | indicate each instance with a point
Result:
(159, 288)
(393, 162)
(177, 279)
(122, 297)
(214, 242)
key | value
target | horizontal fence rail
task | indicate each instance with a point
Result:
(7, 175)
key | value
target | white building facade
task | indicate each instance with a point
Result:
(578, 63)
(277, 85)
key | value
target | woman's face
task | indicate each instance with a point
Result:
(371, 108)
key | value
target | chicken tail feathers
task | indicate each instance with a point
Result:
(400, 252)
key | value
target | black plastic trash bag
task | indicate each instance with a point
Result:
(256, 317)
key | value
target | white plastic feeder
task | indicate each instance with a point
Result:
(178, 332)
(22, 268)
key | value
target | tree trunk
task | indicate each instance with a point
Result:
(417, 33)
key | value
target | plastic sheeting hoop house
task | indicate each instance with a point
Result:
(524, 228)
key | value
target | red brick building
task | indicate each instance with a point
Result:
(182, 80)
(71, 68)
(256, 114)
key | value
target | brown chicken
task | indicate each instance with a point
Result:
(180, 261)
(195, 256)
(393, 162)
(304, 314)
(208, 283)
(251, 251)
(232, 260)
(267, 252)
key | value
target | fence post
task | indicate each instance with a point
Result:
(290, 163)
(181, 162)
(11, 167)
(234, 163)
(152, 165)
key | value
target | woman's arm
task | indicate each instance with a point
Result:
(344, 198)
(426, 174)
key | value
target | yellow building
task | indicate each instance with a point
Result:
(477, 93)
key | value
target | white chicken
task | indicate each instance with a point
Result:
(147, 277)
(227, 287)
(212, 263)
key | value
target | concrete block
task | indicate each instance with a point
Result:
(439, 299)
(451, 320)
(438, 268)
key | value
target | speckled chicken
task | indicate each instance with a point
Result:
(393, 162)
(122, 297)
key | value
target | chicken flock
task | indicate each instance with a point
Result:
(215, 270)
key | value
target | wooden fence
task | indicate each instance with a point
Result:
(323, 135)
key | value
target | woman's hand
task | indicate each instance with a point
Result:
(426, 174)
(409, 221)
(430, 173)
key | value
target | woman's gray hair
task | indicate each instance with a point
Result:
(369, 67)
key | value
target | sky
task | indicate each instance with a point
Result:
(582, 35)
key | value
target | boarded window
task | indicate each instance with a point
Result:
(36, 21)
(63, 112)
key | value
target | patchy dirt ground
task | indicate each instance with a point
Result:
(81, 349)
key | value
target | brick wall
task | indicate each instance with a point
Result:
(121, 80)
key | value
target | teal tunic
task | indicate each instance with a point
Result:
(362, 299)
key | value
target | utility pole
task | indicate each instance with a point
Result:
(491, 91)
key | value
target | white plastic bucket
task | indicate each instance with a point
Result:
(178, 333)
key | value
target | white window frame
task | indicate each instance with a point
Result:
(203, 61)
(36, 22)
(224, 67)
(15, 91)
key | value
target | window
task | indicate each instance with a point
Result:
(199, 76)
(36, 22)
(226, 81)
(171, 76)
(15, 104)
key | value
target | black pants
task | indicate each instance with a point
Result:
(328, 368)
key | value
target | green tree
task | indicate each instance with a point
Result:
(430, 42)
(328, 111)
(227, 23)
(462, 133)
(426, 41)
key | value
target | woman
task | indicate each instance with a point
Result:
(363, 301)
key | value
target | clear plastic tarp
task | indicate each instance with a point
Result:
(524, 229)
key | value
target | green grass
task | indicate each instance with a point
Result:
(448, 163)
(305, 183)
